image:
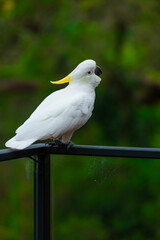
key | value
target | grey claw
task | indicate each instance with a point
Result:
(69, 145)
(56, 143)
(60, 144)
(51, 143)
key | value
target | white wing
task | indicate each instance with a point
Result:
(42, 112)
(56, 118)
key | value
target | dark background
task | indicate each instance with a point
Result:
(95, 198)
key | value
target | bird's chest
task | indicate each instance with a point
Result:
(79, 110)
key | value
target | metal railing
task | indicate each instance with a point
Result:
(40, 153)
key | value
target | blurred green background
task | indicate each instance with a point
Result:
(95, 198)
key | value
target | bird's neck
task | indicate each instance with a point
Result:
(83, 86)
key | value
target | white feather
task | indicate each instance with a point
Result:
(12, 143)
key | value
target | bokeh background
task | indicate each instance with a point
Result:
(93, 198)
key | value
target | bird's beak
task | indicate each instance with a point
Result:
(98, 71)
(63, 80)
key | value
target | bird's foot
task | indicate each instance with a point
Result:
(58, 143)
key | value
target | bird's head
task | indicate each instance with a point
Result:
(86, 72)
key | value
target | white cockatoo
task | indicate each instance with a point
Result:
(63, 111)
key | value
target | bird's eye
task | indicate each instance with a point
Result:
(89, 72)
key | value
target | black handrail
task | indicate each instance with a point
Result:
(85, 150)
(41, 154)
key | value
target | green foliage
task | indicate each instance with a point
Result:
(105, 197)
(44, 40)
(81, 228)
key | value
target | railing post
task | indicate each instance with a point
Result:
(42, 198)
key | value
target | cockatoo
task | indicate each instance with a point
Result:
(62, 112)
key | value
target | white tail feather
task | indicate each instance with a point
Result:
(14, 144)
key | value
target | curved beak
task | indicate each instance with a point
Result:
(63, 80)
(98, 71)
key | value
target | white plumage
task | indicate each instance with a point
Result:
(63, 111)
